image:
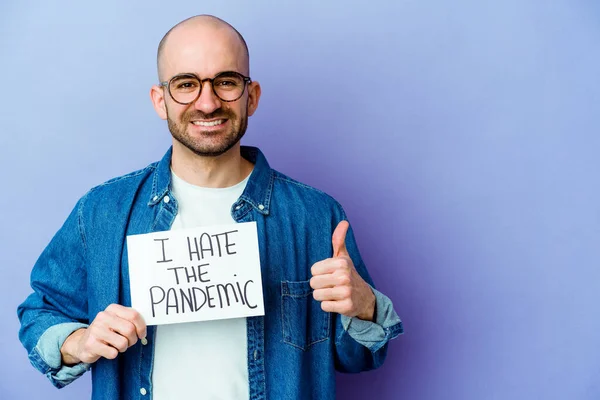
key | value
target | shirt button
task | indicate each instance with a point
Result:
(143, 391)
(166, 199)
(256, 354)
(238, 207)
(261, 207)
(144, 341)
(155, 198)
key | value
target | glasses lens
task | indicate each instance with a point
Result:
(184, 89)
(229, 86)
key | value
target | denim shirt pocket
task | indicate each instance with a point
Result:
(303, 321)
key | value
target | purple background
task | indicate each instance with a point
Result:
(461, 137)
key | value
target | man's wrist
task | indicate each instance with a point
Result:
(68, 350)
(369, 313)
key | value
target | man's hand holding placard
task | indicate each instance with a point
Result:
(113, 331)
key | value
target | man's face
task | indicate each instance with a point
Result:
(208, 126)
(208, 131)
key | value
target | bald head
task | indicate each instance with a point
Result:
(196, 31)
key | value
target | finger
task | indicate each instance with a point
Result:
(328, 266)
(338, 240)
(332, 294)
(107, 321)
(130, 315)
(105, 336)
(101, 349)
(337, 306)
(97, 349)
(108, 352)
(124, 328)
(323, 281)
(117, 341)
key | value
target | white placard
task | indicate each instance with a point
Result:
(198, 274)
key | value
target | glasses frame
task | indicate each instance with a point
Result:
(167, 84)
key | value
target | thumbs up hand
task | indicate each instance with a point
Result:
(338, 286)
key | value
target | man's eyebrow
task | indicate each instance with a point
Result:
(193, 74)
(229, 72)
(185, 75)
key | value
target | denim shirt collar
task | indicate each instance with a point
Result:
(257, 192)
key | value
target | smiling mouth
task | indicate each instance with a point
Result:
(209, 123)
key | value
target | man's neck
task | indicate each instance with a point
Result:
(221, 171)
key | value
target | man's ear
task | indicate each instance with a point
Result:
(253, 97)
(157, 95)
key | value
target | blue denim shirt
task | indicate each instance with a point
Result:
(293, 350)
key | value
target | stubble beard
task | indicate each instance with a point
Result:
(201, 146)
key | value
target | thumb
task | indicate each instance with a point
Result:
(339, 239)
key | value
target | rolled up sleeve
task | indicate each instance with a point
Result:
(386, 326)
(46, 354)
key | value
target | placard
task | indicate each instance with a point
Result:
(196, 274)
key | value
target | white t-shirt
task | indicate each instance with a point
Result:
(202, 360)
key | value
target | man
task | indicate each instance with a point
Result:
(321, 311)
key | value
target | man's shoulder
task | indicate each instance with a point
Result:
(120, 185)
(285, 180)
(301, 193)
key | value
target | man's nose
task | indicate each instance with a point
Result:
(207, 102)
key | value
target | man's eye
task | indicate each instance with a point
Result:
(186, 85)
(227, 83)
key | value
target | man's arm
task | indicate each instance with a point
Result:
(365, 319)
(58, 304)
(55, 327)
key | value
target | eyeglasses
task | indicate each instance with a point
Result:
(186, 88)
